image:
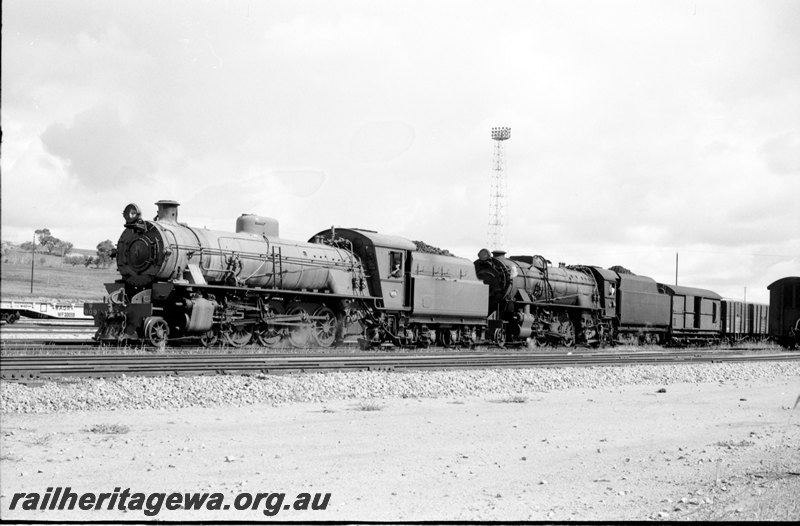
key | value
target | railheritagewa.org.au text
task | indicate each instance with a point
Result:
(151, 504)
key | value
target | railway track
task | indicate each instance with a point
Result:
(21, 368)
(47, 331)
(64, 348)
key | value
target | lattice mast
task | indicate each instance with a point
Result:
(499, 189)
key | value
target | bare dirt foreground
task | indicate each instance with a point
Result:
(712, 451)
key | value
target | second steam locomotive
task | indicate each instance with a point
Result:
(182, 283)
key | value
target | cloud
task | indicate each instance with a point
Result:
(300, 183)
(324, 39)
(275, 193)
(781, 153)
(381, 141)
(99, 149)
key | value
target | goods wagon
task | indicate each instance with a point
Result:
(743, 321)
(695, 314)
(784, 311)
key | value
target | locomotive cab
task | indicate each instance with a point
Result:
(385, 259)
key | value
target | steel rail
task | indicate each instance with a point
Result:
(29, 367)
(48, 322)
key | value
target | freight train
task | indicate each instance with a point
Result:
(181, 283)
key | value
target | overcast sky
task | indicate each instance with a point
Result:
(638, 128)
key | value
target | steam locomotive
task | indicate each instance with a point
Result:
(181, 283)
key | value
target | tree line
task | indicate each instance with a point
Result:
(50, 244)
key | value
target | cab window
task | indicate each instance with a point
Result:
(395, 264)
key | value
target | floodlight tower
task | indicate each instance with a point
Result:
(497, 198)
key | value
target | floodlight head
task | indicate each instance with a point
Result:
(501, 133)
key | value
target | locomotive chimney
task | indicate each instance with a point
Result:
(167, 211)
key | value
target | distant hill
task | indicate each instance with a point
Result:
(83, 251)
(52, 277)
(10, 246)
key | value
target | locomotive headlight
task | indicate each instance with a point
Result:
(132, 213)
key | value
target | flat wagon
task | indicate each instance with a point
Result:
(12, 310)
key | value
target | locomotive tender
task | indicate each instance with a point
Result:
(182, 282)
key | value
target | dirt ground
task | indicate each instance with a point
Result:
(694, 452)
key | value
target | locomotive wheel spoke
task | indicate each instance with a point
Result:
(421, 338)
(535, 342)
(541, 341)
(567, 331)
(324, 331)
(268, 335)
(466, 340)
(500, 337)
(209, 339)
(299, 335)
(156, 331)
(238, 336)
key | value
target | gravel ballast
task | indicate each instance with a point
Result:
(209, 391)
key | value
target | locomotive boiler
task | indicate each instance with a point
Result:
(530, 300)
(253, 256)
